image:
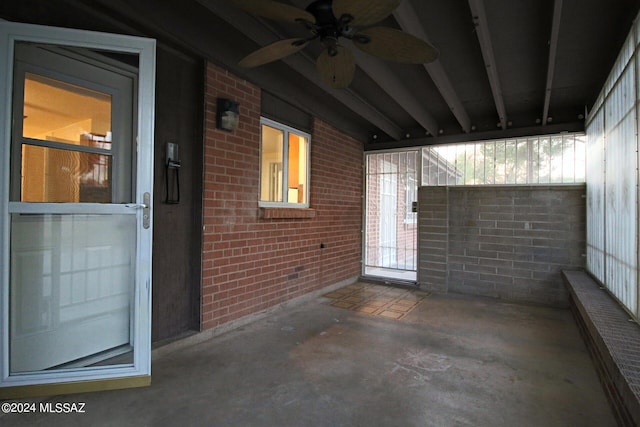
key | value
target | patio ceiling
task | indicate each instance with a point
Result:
(506, 68)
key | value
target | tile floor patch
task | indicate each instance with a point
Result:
(377, 300)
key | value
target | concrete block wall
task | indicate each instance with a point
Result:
(255, 259)
(433, 237)
(508, 242)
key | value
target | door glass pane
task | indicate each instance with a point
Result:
(297, 168)
(71, 290)
(55, 175)
(62, 112)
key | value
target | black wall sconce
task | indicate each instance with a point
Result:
(228, 115)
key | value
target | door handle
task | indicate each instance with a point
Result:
(146, 209)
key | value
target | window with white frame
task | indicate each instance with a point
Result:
(284, 166)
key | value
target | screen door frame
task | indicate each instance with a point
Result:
(26, 384)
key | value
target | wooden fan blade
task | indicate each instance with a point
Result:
(364, 12)
(273, 52)
(274, 10)
(337, 70)
(395, 45)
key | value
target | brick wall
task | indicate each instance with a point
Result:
(250, 262)
(502, 241)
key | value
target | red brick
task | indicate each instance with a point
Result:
(247, 260)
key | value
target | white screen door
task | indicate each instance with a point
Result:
(76, 195)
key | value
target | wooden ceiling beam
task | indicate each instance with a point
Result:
(553, 50)
(394, 87)
(484, 37)
(410, 23)
(498, 134)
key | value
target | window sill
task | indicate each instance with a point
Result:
(287, 213)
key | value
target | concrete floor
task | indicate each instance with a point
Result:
(449, 361)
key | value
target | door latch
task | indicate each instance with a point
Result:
(146, 209)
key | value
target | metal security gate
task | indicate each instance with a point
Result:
(391, 225)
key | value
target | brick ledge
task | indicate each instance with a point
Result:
(613, 342)
(287, 213)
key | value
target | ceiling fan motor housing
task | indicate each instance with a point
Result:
(327, 25)
(323, 12)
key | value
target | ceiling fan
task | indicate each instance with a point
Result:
(330, 20)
